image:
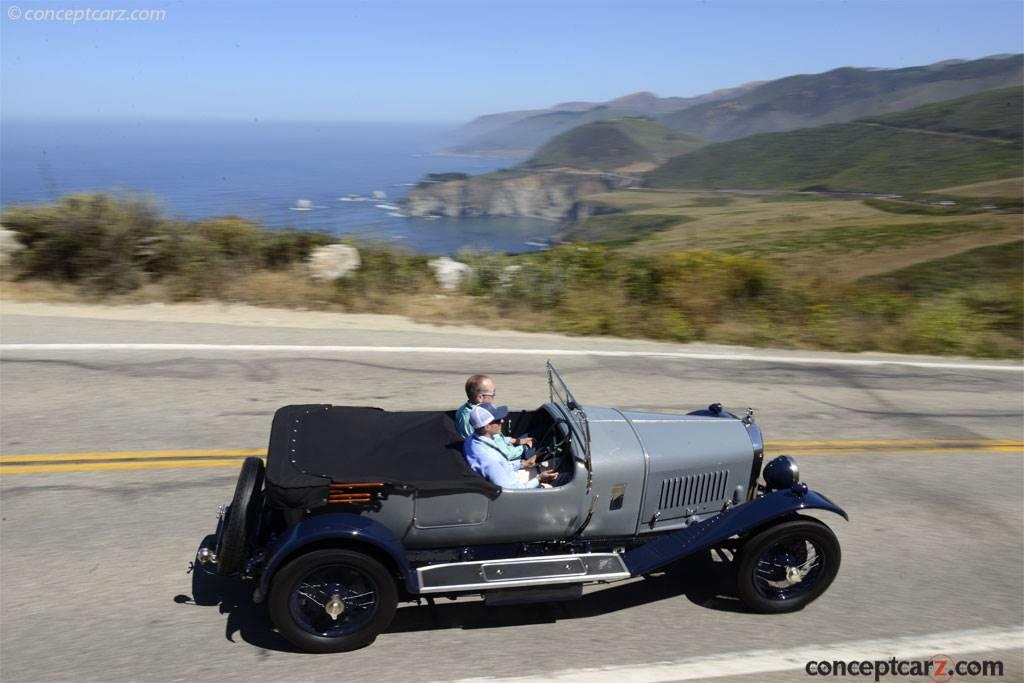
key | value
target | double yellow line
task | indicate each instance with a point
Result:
(127, 460)
(145, 460)
(898, 445)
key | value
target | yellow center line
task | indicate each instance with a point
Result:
(94, 466)
(130, 455)
(176, 459)
(897, 443)
(889, 451)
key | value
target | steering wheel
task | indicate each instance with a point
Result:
(558, 441)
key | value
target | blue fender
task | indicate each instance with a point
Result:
(337, 526)
(678, 544)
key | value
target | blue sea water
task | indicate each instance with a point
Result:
(260, 171)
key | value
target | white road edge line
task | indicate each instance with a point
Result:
(754, 662)
(297, 348)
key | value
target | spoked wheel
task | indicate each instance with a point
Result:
(240, 517)
(784, 568)
(332, 600)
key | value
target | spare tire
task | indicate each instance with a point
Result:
(240, 517)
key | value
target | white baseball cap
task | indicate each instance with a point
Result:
(485, 414)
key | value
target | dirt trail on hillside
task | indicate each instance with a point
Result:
(882, 262)
(965, 136)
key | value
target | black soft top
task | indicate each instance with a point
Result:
(312, 446)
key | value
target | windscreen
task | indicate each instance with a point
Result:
(560, 395)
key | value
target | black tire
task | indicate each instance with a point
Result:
(240, 517)
(302, 588)
(770, 561)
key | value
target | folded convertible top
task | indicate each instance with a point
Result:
(312, 446)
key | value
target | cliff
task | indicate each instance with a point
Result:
(551, 195)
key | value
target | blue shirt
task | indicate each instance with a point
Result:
(488, 460)
(465, 430)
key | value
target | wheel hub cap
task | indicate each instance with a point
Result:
(334, 607)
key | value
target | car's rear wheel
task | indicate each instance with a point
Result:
(240, 517)
(787, 566)
(332, 600)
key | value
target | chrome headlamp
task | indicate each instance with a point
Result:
(781, 473)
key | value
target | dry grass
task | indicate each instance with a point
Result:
(844, 238)
(279, 290)
(39, 291)
(288, 288)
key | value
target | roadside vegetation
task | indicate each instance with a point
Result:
(98, 248)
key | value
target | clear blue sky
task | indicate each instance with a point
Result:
(447, 62)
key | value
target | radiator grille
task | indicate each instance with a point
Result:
(694, 490)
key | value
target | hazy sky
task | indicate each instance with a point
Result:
(450, 61)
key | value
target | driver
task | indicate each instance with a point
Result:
(487, 459)
(480, 389)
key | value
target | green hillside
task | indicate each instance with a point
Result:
(994, 114)
(520, 138)
(607, 145)
(842, 95)
(864, 156)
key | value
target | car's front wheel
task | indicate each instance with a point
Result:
(332, 600)
(785, 567)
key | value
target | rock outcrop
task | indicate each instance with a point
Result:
(550, 195)
(333, 261)
(448, 272)
(8, 245)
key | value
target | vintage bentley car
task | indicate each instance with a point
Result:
(357, 509)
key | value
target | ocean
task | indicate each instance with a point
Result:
(297, 175)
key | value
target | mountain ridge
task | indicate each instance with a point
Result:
(938, 145)
(797, 101)
(516, 134)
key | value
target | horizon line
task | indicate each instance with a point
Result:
(7, 119)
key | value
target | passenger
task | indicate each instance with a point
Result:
(480, 389)
(487, 459)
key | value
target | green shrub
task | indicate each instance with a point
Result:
(1002, 305)
(942, 326)
(235, 239)
(116, 244)
(91, 239)
(283, 248)
(202, 272)
(383, 273)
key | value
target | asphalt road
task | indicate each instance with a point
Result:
(92, 564)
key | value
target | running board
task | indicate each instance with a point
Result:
(521, 571)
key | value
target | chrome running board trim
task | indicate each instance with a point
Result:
(521, 571)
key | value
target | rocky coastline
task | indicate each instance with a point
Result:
(553, 195)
